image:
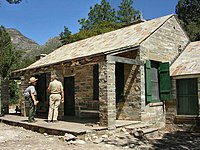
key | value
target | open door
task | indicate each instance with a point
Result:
(69, 102)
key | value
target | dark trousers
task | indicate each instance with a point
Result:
(32, 110)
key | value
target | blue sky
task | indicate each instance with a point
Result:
(40, 20)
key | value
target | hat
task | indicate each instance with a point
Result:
(32, 79)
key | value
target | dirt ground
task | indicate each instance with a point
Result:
(18, 138)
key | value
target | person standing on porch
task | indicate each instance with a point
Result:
(32, 100)
(56, 96)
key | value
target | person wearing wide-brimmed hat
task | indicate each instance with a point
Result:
(33, 99)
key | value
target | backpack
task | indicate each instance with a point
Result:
(26, 93)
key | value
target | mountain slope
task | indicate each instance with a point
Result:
(30, 47)
(20, 41)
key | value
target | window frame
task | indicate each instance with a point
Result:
(164, 85)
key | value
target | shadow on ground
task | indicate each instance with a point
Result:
(178, 140)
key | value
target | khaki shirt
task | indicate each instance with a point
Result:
(55, 87)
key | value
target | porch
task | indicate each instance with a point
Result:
(73, 125)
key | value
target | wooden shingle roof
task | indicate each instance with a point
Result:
(188, 63)
(128, 36)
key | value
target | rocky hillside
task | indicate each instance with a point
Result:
(21, 42)
(30, 47)
(49, 46)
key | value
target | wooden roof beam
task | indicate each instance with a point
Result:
(124, 60)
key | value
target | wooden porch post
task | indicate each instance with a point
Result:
(21, 98)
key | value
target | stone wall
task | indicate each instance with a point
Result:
(164, 46)
(171, 105)
(83, 76)
(84, 90)
(165, 43)
(130, 108)
(84, 84)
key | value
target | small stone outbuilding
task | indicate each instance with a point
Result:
(123, 74)
(185, 75)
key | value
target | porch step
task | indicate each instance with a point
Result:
(186, 119)
(126, 123)
(143, 129)
(149, 130)
(138, 126)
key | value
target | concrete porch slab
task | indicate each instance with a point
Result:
(71, 125)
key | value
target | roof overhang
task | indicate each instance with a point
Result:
(20, 72)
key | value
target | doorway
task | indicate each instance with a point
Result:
(41, 88)
(187, 96)
(69, 102)
(119, 82)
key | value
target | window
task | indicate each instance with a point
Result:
(157, 81)
(96, 82)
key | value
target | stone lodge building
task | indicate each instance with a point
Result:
(123, 74)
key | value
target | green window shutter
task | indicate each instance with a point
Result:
(164, 81)
(148, 81)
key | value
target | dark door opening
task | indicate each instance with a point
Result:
(119, 82)
(187, 95)
(69, 103)
(41, 88)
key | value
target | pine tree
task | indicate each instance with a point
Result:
(65, 36)
(7, 53)
(126, 12)
(189, 12)
(101, 19)
(100, 13)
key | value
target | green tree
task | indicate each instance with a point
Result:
(7, 53)
(96, 29)
(14, 92)
(101, 19)
(64, 36)
(127, 13)
(14, 1)
(9, 60)
(188, 12)
(100, 12)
